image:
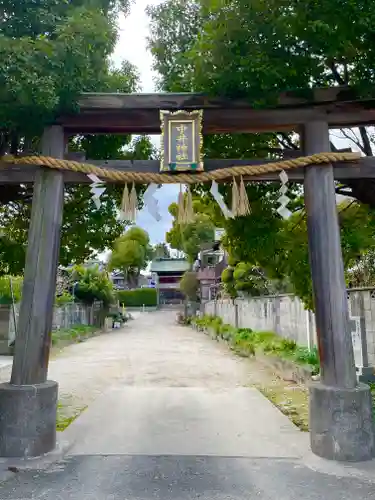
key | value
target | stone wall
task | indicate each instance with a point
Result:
(286, 316)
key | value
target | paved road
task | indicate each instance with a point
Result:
(178, 420)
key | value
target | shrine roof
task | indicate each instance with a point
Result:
(169, 265)
(140, 113)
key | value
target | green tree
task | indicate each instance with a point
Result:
(189, 237)
(189, 285)
(280, 251)
(174, 27)
(292, 46)
(86, 230)
(357, 228)
(49, 52)
(254, 51)
(131, 253)
(92, 284)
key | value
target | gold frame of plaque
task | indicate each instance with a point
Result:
(181, 141)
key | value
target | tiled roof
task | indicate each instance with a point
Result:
(169, 265)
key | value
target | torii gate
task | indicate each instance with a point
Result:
(340, 407)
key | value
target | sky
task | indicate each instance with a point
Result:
(132, 46)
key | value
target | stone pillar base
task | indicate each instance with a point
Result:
(341, 426)
(27, 419)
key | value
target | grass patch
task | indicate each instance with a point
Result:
(292, 400)
(66, 415)
(77, 333)
(67, 412)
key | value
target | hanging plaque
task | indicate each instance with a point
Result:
(181, 136)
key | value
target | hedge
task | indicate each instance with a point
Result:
(138, 297)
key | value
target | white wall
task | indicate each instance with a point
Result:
(286, 316)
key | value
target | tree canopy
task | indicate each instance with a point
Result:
(86, 230)
(254, 51)
(131, 253)
(49, 52)
(189, 285)
(188, 238)
(92, 284)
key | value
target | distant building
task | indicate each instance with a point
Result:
(169, 273)
(87, 264)
(120, 282)
(94, 263)
(212, 262)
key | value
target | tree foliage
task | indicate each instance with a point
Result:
(92, 284)
(357, 229)
(189, 285)
(86, 230)
(269, 255)
(254, 51)
(131, 253)
(49, 52)
(189, 237)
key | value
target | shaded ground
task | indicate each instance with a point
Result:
(182, 478)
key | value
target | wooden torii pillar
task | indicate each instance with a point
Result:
(341, 425)
(28, 403)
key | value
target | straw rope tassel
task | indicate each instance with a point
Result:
(133, 204)
(125, 202)
(181, 207)
(235, 198)
(244, 200)
(189, 211)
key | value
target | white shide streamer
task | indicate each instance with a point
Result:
(151, 202)
(220, 200)
(283, 199)
(97, 189)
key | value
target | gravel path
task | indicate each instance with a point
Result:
(171, 416)
(150, 350)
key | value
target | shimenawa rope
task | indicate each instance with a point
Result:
(185, 178)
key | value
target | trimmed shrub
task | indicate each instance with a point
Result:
(244, 340)
(138, 297)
